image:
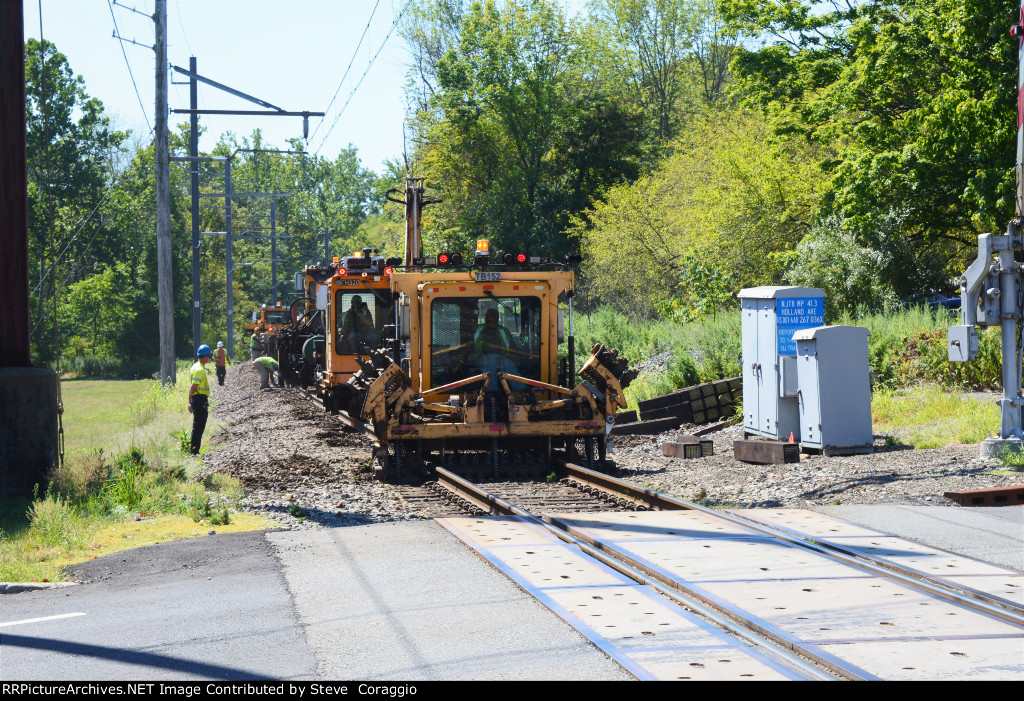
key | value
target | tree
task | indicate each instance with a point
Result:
(724, 209)
(71, 152)
(918, 96)
(505, 144)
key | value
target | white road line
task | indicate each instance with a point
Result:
(39, 620)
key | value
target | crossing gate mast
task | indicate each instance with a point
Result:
(991, 293)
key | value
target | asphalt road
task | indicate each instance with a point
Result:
(398, 601)
(212, 608)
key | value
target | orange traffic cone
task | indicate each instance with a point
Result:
(791, 437)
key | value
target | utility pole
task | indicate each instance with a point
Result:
(273, 250)
(229, 262)
(165, 282)
(193, 151)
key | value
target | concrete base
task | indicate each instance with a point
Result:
(995, 447)
(28, 429)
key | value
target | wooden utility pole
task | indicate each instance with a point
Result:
(165, 283)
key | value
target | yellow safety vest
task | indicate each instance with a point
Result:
(199, 378)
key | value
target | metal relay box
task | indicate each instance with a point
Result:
(835, 389)
(771, 315)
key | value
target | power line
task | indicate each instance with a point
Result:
(130, 75)
(394, 26)
(177, 6)
(349, 67)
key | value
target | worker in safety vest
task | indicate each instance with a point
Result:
(199, 396)
(266, 367)
(492, 342)
(254, 346)
(492, 337)
(220, 357)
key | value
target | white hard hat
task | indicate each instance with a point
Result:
(220, 344)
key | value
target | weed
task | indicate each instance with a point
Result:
(184, 441)
(198, 508)
(1012, 458)
(551, 478)
(892, 442)
(296, 510)
(220, 517)
(838, 501)
(126, 488)
(56, 524)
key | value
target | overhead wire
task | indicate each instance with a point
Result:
(394, 25)
(355, 53)
(130, 74)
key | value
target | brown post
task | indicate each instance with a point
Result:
(14, 315)
(28, 395)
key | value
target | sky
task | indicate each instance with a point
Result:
(290, 53)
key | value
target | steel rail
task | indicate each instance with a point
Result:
(977, 601)
(788, 651)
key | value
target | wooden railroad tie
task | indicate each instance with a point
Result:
(996, 496)
(766, 452)
(688, 447)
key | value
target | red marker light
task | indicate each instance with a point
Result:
(388, 271)
(342, 272)
(521, 258)
(443, 259)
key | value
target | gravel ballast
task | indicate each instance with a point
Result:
(303, 469)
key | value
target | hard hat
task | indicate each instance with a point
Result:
(204, 350)
(220, 344)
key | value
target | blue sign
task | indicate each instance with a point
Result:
(795, 313)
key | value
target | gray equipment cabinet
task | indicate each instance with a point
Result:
(835, 389)
(770, 317)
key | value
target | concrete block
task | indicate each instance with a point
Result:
(28, 429)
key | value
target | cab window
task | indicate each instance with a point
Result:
(359, 318)
(472, 335)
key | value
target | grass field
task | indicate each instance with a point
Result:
(125, 482)
(928, 416)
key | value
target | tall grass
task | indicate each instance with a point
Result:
(929, 416)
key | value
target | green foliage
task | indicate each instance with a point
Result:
(125, 487)
(717, 213)
(875, 269)
(184, 440)
(914, 93)
(705, 287)
(198, 508)
(924, 358)
(55, 523)
(517, 137)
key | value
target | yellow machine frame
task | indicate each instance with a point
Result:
(395, 397)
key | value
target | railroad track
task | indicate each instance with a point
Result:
(787, 643)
